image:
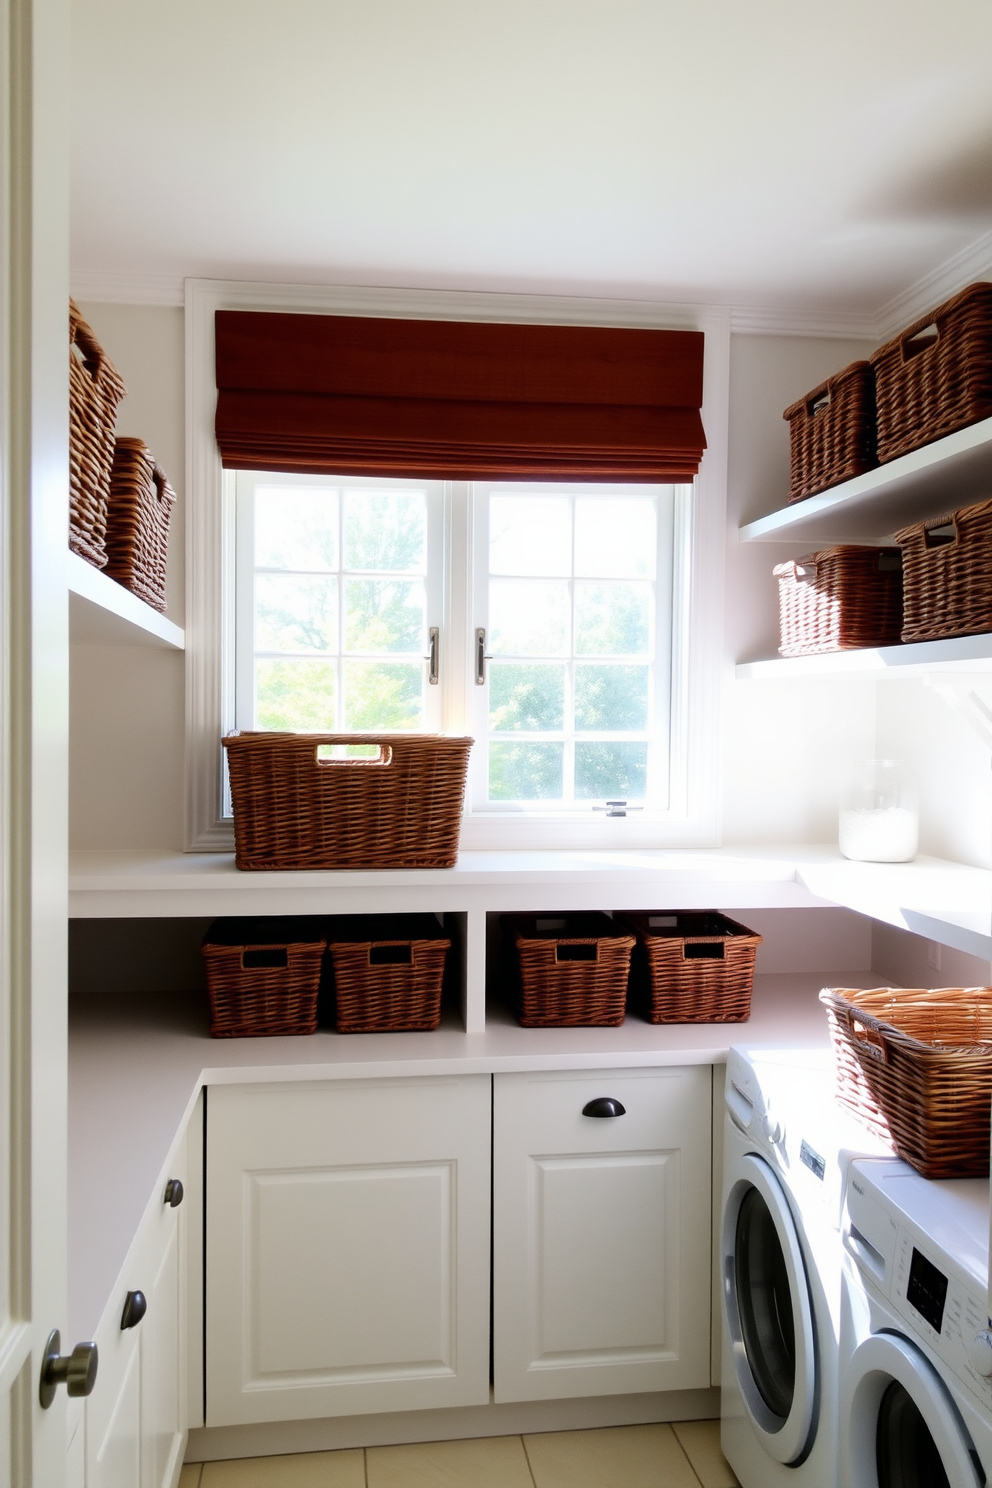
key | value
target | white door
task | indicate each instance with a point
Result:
(601, 1233)
(347, 1247)
(33, 728)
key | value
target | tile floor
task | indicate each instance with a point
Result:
(684, 1455)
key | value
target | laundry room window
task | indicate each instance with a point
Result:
(551, 640)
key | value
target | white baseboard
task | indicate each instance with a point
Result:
(279, 1438)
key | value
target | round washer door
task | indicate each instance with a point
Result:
(899, 1427)
(769, 1311)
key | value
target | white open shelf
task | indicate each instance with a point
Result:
(959, 655)
(925, 483)
(104, 613)
(946, 902)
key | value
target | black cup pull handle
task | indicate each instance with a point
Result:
(604, 1105)
(173, 1195)
(135, 1307)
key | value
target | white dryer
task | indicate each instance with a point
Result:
(786, 1149)
(916, 1343)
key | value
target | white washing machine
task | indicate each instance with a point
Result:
(916, 1343)
(786, 1150)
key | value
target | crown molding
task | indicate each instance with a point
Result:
(764, 320)
(954, 274)
(128, 289)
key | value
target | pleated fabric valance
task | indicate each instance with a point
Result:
(457, 400)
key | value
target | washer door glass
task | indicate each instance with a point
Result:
(769, 1311)
(765, 1304)
(905, 1451)
(898, 1417)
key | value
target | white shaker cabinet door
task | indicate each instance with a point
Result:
(601, 1233)
(347, 1247)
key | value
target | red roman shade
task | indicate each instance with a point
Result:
(460, 400)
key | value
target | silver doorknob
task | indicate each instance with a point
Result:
(77, 1371)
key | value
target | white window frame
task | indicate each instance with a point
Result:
(692, 817)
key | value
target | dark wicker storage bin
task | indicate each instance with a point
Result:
(947, 574)
(138, 515)
(937, 375)
(263, 977)
(691, 966)
(840, 599)
(95, 393)
(296, 809)
(832, 432)
(915, 1065)
(388, 972)
(571, 969)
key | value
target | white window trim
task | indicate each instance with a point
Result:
(694, 815)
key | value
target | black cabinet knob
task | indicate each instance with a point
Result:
(77, 1371)
(135, 1307)
(604, 1105)
(173, 1193)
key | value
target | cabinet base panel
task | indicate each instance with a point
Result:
(280, 1438)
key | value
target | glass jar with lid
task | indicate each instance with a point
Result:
(879, 813)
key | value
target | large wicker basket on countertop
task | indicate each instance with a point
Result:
(916, 1066)
(300, 801)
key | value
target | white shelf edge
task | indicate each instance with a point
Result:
(791, 521)
(123, 616)
(959, 654)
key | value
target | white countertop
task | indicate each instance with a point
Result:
(136, 1065)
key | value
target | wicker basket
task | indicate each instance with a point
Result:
(692, 966)
(916, 1067)
(937, 375)
(138, 514)
(388, 972)
(832, 432)
(571, 970)
(296, 809)
(95, 393)
(840, 599)
(263, 977)
(947, 574)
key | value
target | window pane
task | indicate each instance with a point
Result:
(611, 697)
(296, 612)
(383, 615)
(526, 697)
(295, 695)
(530, 535)
(605, 771)
(386, 531)
(525, 772)
(612, 619)
(615, 537)
(528, 617)
(383, 694)
(296, 528)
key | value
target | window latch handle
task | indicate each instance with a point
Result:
(481, 657)
(433, 654)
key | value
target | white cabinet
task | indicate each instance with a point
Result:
(135, 1425)
(347, 1247)
(601, 1233)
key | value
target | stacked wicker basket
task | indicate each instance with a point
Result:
(120, 501)
(932, 379)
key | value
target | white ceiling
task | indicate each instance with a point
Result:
(766, 153)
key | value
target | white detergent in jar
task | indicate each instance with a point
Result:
(878, 820)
